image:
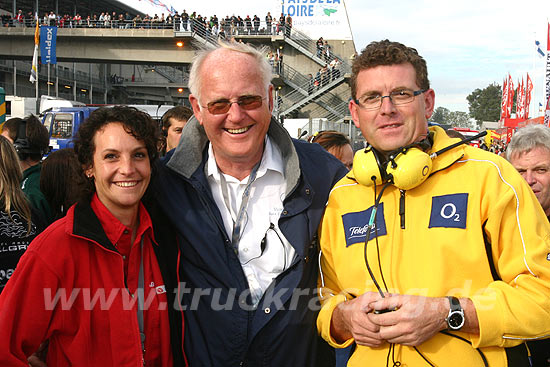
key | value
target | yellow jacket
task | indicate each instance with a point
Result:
(437, 247)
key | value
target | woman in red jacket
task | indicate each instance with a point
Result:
(91, 283)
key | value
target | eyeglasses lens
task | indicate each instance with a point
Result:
(246, 103)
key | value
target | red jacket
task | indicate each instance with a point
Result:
(73, 257)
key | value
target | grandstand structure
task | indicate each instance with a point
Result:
(138, 62)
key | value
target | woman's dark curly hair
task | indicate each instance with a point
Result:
(136, 123)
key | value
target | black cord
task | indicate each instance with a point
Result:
(395, 363)
(391, 350)
(372, 222)
(263, 245)
(379, 262)
(485, 363)
(388, 356)
(424, 358)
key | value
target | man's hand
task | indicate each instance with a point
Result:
(350, 319)
(414, 319)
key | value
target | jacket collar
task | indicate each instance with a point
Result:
(442, 140)
(188, 156)
(86, 224)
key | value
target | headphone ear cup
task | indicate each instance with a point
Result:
(366, 168)
(411, 169)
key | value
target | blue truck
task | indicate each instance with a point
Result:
(63, 122)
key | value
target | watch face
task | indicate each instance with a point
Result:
(456, 320)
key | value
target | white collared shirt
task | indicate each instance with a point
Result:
(264, 208)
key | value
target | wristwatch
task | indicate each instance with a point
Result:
(455, 318)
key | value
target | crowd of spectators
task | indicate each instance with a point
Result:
(203, 25)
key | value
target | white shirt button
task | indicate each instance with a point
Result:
(267, 310)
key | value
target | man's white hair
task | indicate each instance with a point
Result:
(257, 53)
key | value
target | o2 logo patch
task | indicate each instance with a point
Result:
(449, 211)
(356, 224)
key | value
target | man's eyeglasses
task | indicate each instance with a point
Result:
(221, 106)
(398, 97)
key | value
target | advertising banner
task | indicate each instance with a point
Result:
(48, 37)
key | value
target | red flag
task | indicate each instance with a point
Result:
(504, 101)
(520, 106)
(510, 96)
(528, 90)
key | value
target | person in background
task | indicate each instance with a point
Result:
(529, 153)
(18, 223)
(31, 141)
(335, 143)
(173, 122)
(114, 304)
(62, 181)
(268, 21)
(246, 200)
(429, 256)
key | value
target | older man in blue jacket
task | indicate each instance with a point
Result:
(246, 200)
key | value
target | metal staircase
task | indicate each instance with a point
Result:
(301, 93)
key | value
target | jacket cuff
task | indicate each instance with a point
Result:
(324, 321)
(490, 322)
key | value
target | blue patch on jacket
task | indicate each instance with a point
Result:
(449, 211)
(355, 225)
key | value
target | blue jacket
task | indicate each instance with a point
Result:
(221, 329)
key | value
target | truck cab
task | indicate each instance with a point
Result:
(63, 123)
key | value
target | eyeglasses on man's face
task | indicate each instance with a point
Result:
(398, 97)
(247, 103)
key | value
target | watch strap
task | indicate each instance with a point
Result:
(454, 312)
(455, 303)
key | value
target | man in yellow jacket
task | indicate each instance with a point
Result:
(432, 254)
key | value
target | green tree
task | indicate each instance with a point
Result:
(440, 115)
(484, 104)
(458, 119)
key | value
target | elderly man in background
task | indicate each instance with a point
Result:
(246, 200)
(529, 153)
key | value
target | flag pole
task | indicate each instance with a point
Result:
(36, 82)
(34, 67)
(532, 72)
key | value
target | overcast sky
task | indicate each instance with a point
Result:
(467, 44)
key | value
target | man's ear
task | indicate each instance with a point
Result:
(429, 102)
(270, 98)
(354, 110)
(197, 110)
